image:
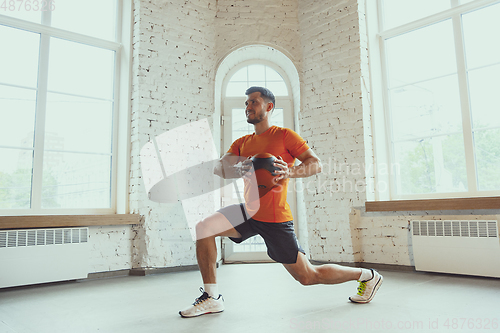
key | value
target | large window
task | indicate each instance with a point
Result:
(58, 110)
(440, 64)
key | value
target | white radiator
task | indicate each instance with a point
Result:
(43, 255)
(459, 247)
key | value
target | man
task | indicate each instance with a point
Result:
(273, 220)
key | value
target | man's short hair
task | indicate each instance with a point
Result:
(265, 93)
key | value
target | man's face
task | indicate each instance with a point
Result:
(257, 108)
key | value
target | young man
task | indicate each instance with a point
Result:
(273, 220)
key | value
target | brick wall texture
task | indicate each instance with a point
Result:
(173, 74)
(331, 119)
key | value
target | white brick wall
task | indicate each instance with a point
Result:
(331, 120)
(174, 70)
(111, 247)
(243, 22)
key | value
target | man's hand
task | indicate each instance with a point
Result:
(244, 167)
(233, 166)
(284, 171)
(310, 166)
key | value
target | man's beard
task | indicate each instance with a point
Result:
(255, 120)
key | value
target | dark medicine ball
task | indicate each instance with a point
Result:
(264, 167)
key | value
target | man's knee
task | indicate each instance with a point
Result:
(204, 229)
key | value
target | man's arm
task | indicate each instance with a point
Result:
(232, 166)
(311, 165)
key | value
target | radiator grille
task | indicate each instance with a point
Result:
(455, 228)
(36, 237)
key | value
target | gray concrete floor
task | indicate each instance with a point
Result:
(258, 298)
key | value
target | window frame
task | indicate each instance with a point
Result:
(120, 154)
(384, 185)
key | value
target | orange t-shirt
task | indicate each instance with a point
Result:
(280, 142)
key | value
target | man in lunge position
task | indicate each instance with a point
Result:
(273, 220)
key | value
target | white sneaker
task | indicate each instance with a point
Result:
(203, 305)
(368, 288)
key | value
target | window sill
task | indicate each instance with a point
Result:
(434, 204)
(56, 221)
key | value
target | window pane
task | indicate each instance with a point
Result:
(240, 126)
(272, 75)
(398, 12)
(484, 87)
(78, 124)
(277, 117)
(479, 26)
(256, 84)
(278, 88)
(17, 115)
(95, 18)
(256, 73)
(487, 149)
(24, 10)
(431, 165)
(236, 89)
(19, 66)
(15, 178)
(76, 180)
(240, 75)
(80, 69)
(426, 109)
(421, 54)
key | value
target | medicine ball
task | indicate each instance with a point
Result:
(264, 167)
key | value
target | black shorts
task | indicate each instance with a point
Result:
(281, 241)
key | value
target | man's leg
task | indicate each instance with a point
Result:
(206, 250)
(307, 274)
(206, 254)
